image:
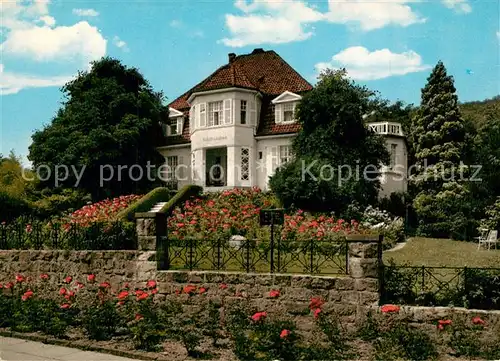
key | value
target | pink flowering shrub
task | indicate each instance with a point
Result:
(105, 210)
(95, 226)
(236, 212)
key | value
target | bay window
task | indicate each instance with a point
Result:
(214, 113)
(243, 112)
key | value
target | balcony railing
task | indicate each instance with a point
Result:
(386, 128)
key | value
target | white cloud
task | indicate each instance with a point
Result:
(86, 12)
(361, 64)
(461, 6)
(30, 33)
(48, 20)
(81, 42)
(498, 35)
(270, 21)
(119, 43)
(278, 21)
(373, 14)
(16, 14)
(12, 83)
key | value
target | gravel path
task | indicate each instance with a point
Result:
(16, 349)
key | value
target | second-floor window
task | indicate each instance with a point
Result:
(284, 112)
(288, 109)
(174, 126)
(214, 113)
(243, 112)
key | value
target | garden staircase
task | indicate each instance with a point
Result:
(157, 207)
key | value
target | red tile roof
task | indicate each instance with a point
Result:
(264, 71)
(267, 126)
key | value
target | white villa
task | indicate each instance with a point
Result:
(236, 127)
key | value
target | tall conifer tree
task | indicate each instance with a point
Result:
(440, 146)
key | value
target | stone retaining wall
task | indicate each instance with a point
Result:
(113, 266)
(348, 296)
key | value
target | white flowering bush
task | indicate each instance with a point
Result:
(382, 222)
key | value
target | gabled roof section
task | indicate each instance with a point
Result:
(286, 97)
(264, 71)
(172, 113)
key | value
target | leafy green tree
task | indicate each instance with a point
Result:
(13, 176)
(442, 202)
(110, 116)
(332, 150)
(481, 112)
(486, 170)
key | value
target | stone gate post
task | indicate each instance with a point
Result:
(365, 261)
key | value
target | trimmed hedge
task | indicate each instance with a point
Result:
(147, 202)
(183, 195)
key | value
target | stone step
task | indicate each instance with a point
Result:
(157, 207)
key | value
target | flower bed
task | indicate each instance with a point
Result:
(236, 212)
(189, 323)
(94, 226)
(101, 211)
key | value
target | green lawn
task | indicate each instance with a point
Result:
(443, 252)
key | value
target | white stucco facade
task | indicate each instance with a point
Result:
(224, 151)
(216, 138)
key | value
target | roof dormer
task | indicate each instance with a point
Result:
(286, 97)
(174, 124)
(173, 113)
(284, 107)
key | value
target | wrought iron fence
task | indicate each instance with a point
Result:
(33, 234)
(441, 286)
(301, 257)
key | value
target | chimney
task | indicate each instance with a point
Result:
(231, 57)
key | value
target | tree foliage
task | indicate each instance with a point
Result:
(13, 176)
(481, 112)
(110, 116)
(440, 142)
(333, 141)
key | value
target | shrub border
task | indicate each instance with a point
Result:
(146, 203)
(77, 345)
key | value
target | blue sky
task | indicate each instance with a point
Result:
(388, 45)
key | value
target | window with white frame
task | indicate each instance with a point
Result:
(245, 164)
(285, 154)
(174, 126)
(284, 112)
(243, 112)
(288, 112)
(172, 164)
(214, 113)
